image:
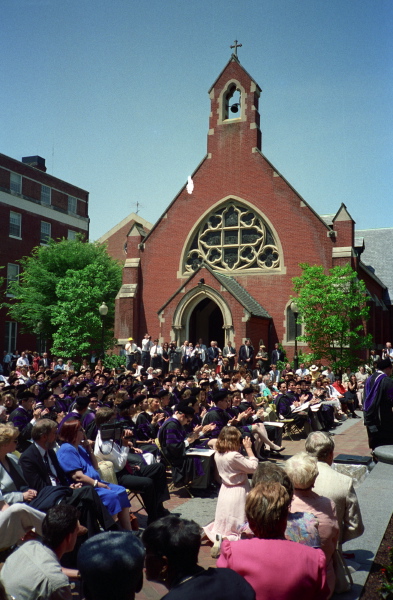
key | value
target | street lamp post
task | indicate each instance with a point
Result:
(103, 310)
(295, 310)
(39, 335)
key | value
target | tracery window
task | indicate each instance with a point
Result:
(234, 237)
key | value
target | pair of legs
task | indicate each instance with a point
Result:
(16, 521)
(115, 498)
(150, 482)
(349, 407)
(261, 437)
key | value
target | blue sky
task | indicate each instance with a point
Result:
(114, 96)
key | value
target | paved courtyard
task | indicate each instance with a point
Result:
(374, 497)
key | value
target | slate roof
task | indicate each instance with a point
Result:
(377, 256)
(242, 296)
(328, 219)
(233, 287)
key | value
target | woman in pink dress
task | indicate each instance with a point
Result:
(230, 519)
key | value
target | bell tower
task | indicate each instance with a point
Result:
(234, 117)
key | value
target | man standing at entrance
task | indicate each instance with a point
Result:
(229, 352)
(203, 350)
(277, 354)
(246, 354)
(213, 354)
(132, 353)
(156, 355)
(378, 405)
(146, 347)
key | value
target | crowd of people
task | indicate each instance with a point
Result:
(61, 423)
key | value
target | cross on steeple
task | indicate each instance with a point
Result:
(236, 46)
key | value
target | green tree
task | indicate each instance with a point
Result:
(59, 292)
(114, 361)
(334, 311)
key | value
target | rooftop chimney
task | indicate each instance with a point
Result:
(35, 161)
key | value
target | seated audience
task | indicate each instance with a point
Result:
(174, 442)
(302, 469)
(336, 486)
(148, 480)
(302, 527)
(23, 418)
(33, 572)
(339, 488)
(42, 471)
(172, 548)
(111, 566)
(79, 463)
(275, 567)
(16, 521)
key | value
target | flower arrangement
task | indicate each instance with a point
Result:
(386, 589)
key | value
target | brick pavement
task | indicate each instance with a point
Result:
(352, 439)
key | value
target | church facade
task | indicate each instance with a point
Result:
(219, 263)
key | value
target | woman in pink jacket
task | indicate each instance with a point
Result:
(276, 568)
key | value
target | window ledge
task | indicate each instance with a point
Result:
(14, 237)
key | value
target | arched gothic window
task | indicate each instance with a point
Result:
(233, 237)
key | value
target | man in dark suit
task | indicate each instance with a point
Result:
(213, 354)
(277, 354)
(41, 469)
(246, 354)
(44, 361)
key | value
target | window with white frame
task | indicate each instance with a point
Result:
(15, 224)
(45, 232)
(16, 183)
(45, 195)
(72, 204)
(71, 234)
(10, 336)
(12, 275)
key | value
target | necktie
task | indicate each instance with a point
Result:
(49, 470)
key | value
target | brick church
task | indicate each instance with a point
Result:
(219, 262)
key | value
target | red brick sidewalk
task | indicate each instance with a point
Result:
(351, 441)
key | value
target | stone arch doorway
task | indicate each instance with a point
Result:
(212, 317)
(206, 321)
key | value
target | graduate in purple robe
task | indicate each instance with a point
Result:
(378, 404)
(174, 443)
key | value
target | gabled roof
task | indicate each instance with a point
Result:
(234, 59)
(233, 287)
(132, 219)
(342, 214)
(242, 296)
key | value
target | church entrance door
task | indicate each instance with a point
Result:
(206, 322)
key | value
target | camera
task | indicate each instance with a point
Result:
(112, 431)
